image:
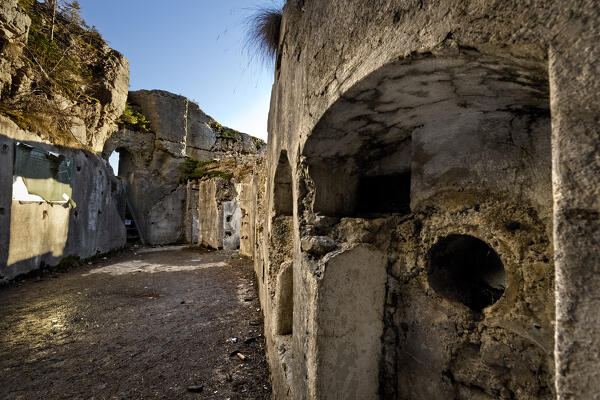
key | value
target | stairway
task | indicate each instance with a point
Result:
(133, 235)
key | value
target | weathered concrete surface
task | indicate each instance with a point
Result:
(191, 213)
(455, 96)
(232, 215)
(350, 313)
(248, 205)
(575, 72)
(153, 173)
(210, 216)
(145, 325)
(44, 233)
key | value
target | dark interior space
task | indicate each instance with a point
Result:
(283, 199)
(465, 269)
(383, 194)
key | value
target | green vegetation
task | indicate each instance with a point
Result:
(195, 169)
(223, 131)
(62, 57)
(51, 125)
(60, 47)
(133, 119)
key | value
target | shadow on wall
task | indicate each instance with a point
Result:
(56, 202)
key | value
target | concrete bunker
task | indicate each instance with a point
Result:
(455, 144)
(466, 269)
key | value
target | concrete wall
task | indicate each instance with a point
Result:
(210, 216)
(37, 233)
(248, 205)
(232, 215)
(458, 96)
(191, 214)
(219, 214)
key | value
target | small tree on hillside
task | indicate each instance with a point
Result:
(52, 5)
(72, 12)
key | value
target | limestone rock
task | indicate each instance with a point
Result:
(80, 113)
(152, 164)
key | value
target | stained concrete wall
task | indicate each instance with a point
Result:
(191, 213)
(210, 216)
(232, 215)
(37, 233)
(248, 205)
(575, 73)
(349, 320)
(479, 164)
(219, 214)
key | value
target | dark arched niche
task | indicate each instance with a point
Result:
(282, 189)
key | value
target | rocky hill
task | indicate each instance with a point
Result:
(58, 77)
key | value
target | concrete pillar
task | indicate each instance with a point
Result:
(210, 217)
(248, 198)
(6, 175)
(350, 324)
(575, 104)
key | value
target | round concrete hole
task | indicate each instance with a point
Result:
(466, 269)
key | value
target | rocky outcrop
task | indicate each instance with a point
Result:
(60, 98)
(151, 162)
(14, 27)
(184, 130)
(69, 90)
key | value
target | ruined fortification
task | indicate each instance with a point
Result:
(183, 177)
(151, 163)
(429, 226)
(424, 225)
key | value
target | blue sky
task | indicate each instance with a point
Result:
(195, 48)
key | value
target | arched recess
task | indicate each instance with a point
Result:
(125, 165)
(283, 201)
(424, 123)
(436, 133)
(282, 246)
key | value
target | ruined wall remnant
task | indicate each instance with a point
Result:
(38, 231)
(179, 131)
(58, 198)
(248, 206)
(432, 144)
(191, 212)
(210, 221)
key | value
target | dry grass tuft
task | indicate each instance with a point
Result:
(263, 31)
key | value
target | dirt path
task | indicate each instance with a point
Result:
(136, 326)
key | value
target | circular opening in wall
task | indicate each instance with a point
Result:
(466, 269)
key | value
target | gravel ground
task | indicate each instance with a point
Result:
(169, 323)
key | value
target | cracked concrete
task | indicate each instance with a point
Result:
(474, 102)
